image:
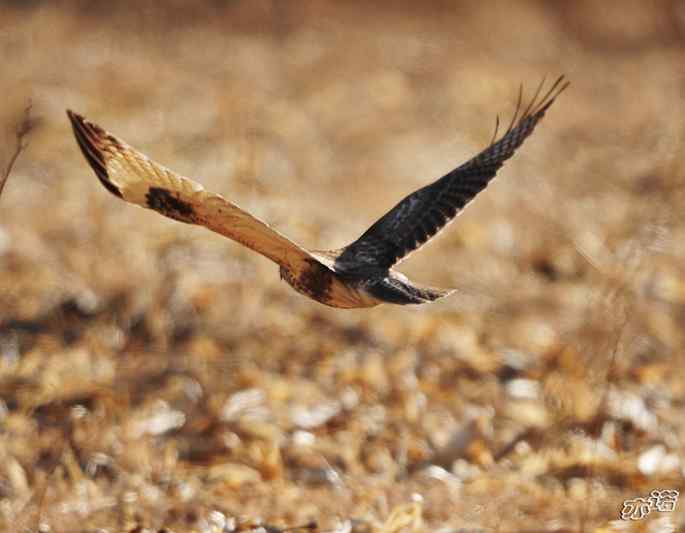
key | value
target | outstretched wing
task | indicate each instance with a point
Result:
(422, 214)
(134, 177)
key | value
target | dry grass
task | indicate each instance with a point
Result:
(21, 134)
(153, 375)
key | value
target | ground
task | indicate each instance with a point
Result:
(154, 375)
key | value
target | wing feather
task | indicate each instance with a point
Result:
(425, 212)
(132, 176)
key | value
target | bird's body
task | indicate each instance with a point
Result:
(321, 281)
(358, 275)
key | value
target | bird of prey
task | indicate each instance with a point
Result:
(358, 275)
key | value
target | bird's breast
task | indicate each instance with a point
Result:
(320, 283)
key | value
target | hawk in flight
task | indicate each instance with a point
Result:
(358, 275)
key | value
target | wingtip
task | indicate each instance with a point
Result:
(558, 87)
(94, 132)
(538, 105)
(74, 116)
(88, 136)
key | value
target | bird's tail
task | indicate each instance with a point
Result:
(399, 290)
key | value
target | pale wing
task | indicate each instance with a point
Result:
(134, 177)
(422, 214)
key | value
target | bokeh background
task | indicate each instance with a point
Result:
(156, 375)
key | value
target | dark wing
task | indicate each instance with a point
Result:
(422, 214)
(132, 176)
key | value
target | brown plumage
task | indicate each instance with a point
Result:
(359, 275)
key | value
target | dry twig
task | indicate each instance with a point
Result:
(23, 129)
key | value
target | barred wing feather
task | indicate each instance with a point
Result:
(132, 176)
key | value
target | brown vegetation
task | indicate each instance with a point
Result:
(154, 375)
(21, 133)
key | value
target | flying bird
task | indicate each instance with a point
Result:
(358, 275)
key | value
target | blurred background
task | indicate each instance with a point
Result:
(156, 375)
